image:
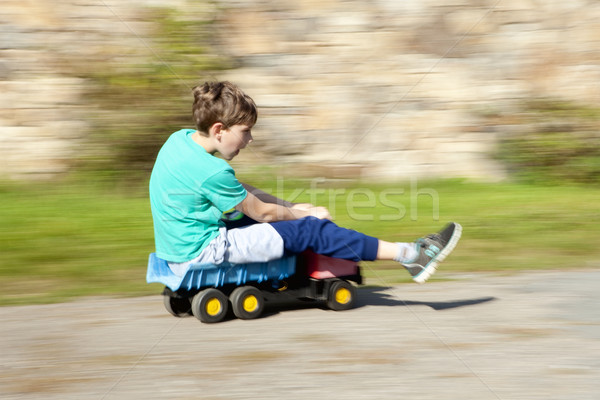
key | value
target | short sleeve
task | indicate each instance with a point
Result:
(223, 190)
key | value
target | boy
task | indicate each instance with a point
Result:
(190, 188)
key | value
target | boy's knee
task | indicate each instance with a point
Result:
(313, 224)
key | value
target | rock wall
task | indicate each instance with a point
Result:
(379, 89)
(402, 88)
(43, 114)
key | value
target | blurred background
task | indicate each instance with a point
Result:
(374, 89)
(492, 91)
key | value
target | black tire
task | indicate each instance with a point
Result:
(247, 302)
(210, 305)
(178, 306)
(341, 295)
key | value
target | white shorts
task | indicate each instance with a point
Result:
(252, 243)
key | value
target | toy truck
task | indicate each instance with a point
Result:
(208, 290)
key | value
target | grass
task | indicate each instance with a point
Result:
(63, 241)
(60, 242)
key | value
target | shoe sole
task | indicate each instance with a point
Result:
(432, 267)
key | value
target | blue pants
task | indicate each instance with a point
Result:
(325, 237)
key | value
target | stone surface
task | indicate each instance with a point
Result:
(342, 82)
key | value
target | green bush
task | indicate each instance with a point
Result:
(139, 100)
(559, 142)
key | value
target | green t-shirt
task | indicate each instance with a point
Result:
(189, 191)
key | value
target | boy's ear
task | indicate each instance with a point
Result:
(216, 130)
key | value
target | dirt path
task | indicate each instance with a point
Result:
(531, 336)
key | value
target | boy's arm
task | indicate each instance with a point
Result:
(261, 211)
(268, 198)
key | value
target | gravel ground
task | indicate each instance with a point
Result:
(529, 336)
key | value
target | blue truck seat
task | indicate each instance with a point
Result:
(212, 275)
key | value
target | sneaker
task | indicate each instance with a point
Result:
(433, 249)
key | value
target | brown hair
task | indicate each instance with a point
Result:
(222, 102)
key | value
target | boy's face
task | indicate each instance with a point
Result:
(233, 140)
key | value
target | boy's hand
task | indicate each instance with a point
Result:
(301, 206)
(314, 211)
(320, 212)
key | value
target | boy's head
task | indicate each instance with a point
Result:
(222, 102)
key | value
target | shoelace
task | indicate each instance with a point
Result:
(433, 237)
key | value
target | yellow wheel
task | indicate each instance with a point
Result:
(247, 302)
(210, 305)
(213, 307)
(250, 303)
(341, 295)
